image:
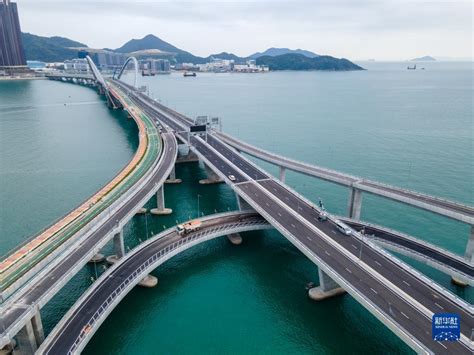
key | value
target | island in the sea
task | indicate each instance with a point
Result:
(426, 58)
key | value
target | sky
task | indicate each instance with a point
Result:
(357, 30)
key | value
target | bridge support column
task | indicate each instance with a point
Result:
(119, 248)
(119, 245)
(242, 205)
(30, 337)
(160, 203)
(327, 288)
(212, 177)
(235, 238)
(172, 178)
(186, 156)
(38, 328)
(282, 174)
(355, 203)
(468, 255)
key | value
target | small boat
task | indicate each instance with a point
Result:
(189, 74)
(411, 68)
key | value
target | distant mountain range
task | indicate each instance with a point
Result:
(426, 58)
(273, 52)
(56, 49)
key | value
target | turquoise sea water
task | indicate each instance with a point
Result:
(408, 128)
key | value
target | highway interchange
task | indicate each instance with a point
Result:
(391, 291)
(401, 299)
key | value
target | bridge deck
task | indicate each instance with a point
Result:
(444, 207)
(383, 284)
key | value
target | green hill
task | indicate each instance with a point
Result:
(300, 62)
(49, 49)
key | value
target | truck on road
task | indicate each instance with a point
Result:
(188, 227)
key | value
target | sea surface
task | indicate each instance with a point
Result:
(59, 143)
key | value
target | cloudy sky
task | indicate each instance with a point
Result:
(381, 29)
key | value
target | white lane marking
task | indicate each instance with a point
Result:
(279, 214)
(378, 263)
(327, 252)
(444, 346)
(406, 283)
(374, 291)
(405, 315)
(440, 306)
(333, 232)
(293, 225)
(354, 246)
(308, 238)
(349, 271)
(267, 204)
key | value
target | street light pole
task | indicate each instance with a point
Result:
(198, 196)
(362, 233)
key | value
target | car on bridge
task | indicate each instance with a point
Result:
(343, 228)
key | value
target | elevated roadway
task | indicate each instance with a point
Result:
(85, 317)
(79, 325)
(403, 299)
(433, 204)
(432, 255)
(71, 256)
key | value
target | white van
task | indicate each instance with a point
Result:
(343, 228)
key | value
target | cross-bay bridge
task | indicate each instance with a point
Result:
(403, 299)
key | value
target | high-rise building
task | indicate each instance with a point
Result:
(11, 46)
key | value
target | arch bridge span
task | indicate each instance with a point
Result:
(78, 326)
(135, 63)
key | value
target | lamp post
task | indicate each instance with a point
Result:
(198, 196)
(362, 233)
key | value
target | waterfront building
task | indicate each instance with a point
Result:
(108, 60)
(12, 54)
(155, 66)
(77, 65)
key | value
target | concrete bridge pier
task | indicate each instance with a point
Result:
(242, 205)
(186, 155)
(172, 178)
(119, 248)
(327, 288)
(235, 238)
(30, 337)
(282, 174)
(212, 177)
(469, 256)
(160, 203)
(355, 203)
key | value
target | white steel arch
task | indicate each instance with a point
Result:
(135, 62)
